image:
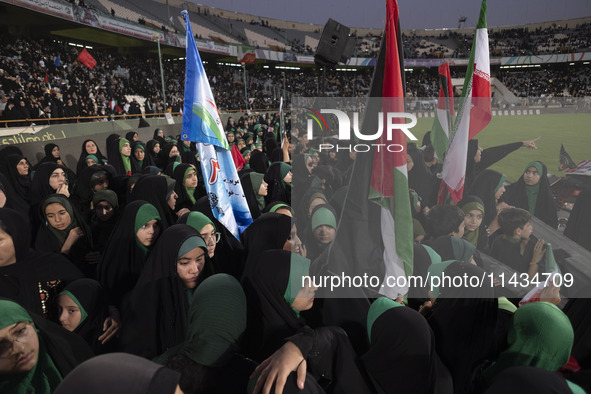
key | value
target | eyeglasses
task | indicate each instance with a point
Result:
(215, 237)
(7, 346)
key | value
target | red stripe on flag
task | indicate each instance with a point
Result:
(481, 112)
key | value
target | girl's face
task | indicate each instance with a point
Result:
(173, 152)
(56, 152)
(69, 312)
(90, 162)
(231, 137)
(7, 251)
(103, 210)
(324, 234)
(209, 236)
(500, 192)
(287, 178)
(139, 154)
(22, 167)
(126, 149)
(156, 148)
(57, 216)
(57, 178)
(531, 176)
(19, 348)
(191, 179)
(148, 233)
(473, 219)
(189, 266)
(91, 148)
(263, 189)
(305, 298)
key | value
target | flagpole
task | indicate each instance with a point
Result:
(245, 91)
(157, 38)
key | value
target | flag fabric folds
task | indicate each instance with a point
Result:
(246, 54)
(202, 124)
(86, 58)
(474, 112)
(565, 161)
(443, 115)
(57, 61)
(374, 235)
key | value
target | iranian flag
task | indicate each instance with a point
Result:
(474, 112)
(443, 115)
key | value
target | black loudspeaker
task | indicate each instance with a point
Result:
(335, 45)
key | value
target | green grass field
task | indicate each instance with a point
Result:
(571, 130)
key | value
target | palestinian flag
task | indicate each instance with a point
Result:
(474, 112)
(374, 235)
(443, 115)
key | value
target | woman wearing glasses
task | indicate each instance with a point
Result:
(35, 354)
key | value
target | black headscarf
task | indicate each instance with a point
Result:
(40, 188)
(20, 183)
(88, 295)
(251, 195)
(129, 136)
(120, 373)
(579, 221)
(157, 315)
(464, 328)
(150, 149)
(482, 238)
(60, 351)
(160, 140)
(49, 158)
(270, 317)
(21, 281)
(402, 356)
(277, 189)
(488, 157)
(269, 231)
(50, 239)
(154, 189)
(4, 153)
(82, 160)
(101, 230)
(258, 161)
(123, 259)
(544, 209)
(163, 158)
(81, 196)
(420, 178)
(148, 161)
(13, 199)
(229, 252)
(484, 188)
(184, 199)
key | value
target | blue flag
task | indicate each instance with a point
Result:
(202, 124)
(201, 119)
(57, 61)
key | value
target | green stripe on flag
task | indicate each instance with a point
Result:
(203, 113)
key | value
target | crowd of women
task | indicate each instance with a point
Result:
(153, 294)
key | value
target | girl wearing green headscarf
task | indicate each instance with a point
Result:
(34, 359)
(541, 336)
(533, 193)
(474, 230)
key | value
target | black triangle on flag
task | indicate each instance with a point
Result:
(565, 162)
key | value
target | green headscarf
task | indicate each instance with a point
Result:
(503, 177)
(82, 310)
(197, 220)
(256, 180)
(506, 305)
(61, 235)
(145, 213)
(377, 308)
(532, 191)
(191, 243)
(217, 320)
(93, 157)
(284, 169)
(279, 206)
(436, 270)
(541, 336)
(190, 190)
(299, 267)
(462, 249)
(472, 235)
(126, 159)
(44, 377)
(323, 217)
(136, 147)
